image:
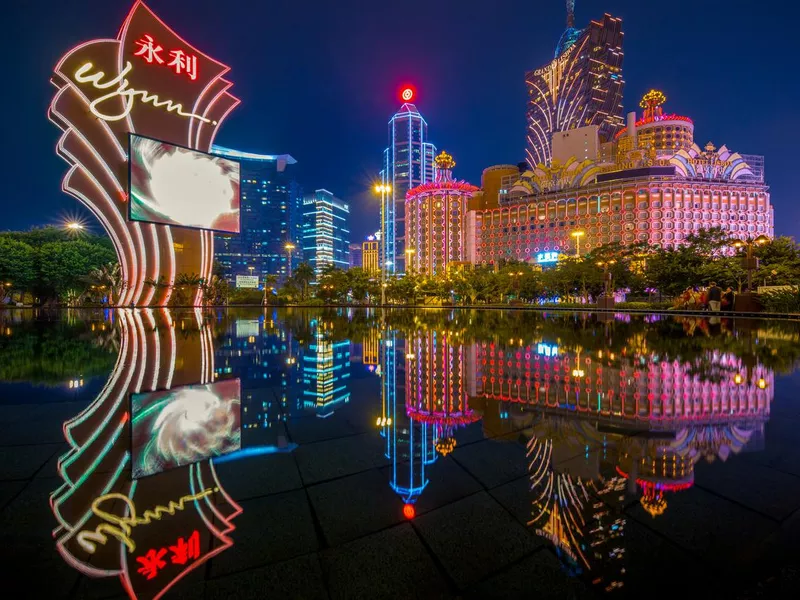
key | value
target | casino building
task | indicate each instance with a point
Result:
(436, 219)
(651, 183)
(581, 86)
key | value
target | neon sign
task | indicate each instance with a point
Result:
(547, 350)
(120, 527)
(407, 94)
(84, 75)
(150, 51)
(182, 552)
(150, 81)
(547, 257)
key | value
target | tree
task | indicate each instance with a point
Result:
(303, 275)
(62, 266)
(107, 278)
(17, 266)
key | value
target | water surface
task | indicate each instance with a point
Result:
(433, 453)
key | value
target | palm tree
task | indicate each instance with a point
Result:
(108, 276)
(303, 275)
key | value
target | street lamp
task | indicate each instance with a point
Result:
(74, 227)
(750, 262)
(409, 256)
(383, 190)
(289, 247)
(577, 235)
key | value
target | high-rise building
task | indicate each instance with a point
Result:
(271, 213)
(407, 163)
(356, 256)
(652, 184)
(370, 250)
(326, 231)
(436, 215)
(581, 86)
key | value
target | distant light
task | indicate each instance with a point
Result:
(409, 512)
(407, 94)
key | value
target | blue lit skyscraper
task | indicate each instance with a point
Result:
(271, 209)
(326, 231)
(407, 163)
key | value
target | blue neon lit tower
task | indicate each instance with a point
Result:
(407, 163)
(326, 233)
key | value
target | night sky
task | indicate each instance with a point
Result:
(319, 80)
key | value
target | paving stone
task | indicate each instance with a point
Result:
(341, 457)
(474, 537)
(491, 462)
(270, 529)
(22, 462)
(350, 507)
(537, 576)
(709, 526)
(770, 492)
(515, 497)
(388, 564)
(296, 578)
(256, 476)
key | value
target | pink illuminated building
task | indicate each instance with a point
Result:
(436, 220)
(651, 184)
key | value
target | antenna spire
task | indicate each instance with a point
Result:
(570, 13)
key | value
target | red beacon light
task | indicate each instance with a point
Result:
(409, 512)
(407, 93)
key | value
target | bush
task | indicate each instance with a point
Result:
(781, 301)
(245, 296)
(634, 305)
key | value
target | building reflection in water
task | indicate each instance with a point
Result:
(604, 425)
(149, 532)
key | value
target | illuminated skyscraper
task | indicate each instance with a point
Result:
(581, 86)
(436, 214)
(370, 255)
(271, 216)
(407, 163)
(326, 232)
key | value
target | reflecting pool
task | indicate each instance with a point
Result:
(431, 453)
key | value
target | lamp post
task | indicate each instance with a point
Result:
(383, 190)
(606, 300)
(409, 257)
(746, 302)
(289, 247)
(578, 235)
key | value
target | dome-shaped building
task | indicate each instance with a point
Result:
(436, 220)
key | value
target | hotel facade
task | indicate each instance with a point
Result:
(651, 184)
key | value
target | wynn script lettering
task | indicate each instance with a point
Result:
(120, 527)
(85, 75)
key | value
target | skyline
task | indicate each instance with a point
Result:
(322, 88)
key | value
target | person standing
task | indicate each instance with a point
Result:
(727, 299)
(714, 297)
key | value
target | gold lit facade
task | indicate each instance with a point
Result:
(436, 220)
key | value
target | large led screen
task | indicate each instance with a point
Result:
(172, 185)
(184, 425)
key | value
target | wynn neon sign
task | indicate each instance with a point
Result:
(85, 75)
(152, 82)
